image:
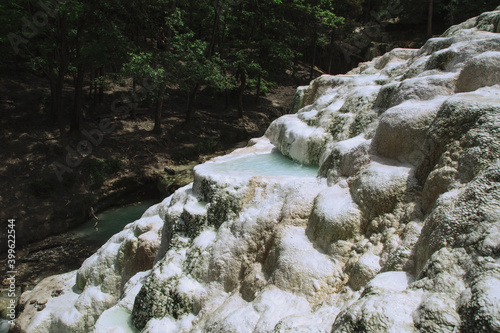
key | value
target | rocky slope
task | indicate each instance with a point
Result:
(400, 231)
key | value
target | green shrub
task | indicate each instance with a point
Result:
(185, 155)
(264, 85)
(207, 146)
(98, 170)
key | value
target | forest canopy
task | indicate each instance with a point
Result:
(221, 45)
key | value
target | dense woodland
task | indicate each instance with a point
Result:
(222, 45)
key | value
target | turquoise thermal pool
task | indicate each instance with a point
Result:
(270, 164)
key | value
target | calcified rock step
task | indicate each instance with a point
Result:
(400, 231)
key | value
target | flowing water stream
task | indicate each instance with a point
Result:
(111, 221)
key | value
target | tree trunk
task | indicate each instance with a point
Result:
(190, 103)
(53, 101)
(215, 29)
(96, 87)
(294, 68)
(56, 78)
(226, 99)
(429, 19)
(76, 115)
(330, 53)
(241, 89)
(56, 100)
(173, 7)
(159, 108)
(91, 83)
(313, 62)
(101, 87)
(62, 56)
(257, 93)
(58, 107)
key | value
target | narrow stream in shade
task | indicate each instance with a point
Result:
(4, 326)
(270, 164)
(111, 221)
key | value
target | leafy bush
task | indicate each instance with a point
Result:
(98, 170)
(207, 146)
(264, 85)
(185, 154)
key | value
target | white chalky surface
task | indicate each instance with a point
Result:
(400, 233)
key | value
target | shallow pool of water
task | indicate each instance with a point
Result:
(270, 164)
(111, 222)
(116, 319)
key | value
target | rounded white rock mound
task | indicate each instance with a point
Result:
(481, 71)
(328, 224)
(381, 186)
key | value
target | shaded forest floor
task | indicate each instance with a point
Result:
(130, 164)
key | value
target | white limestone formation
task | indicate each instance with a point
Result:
(398, 232)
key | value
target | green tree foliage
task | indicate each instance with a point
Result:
(453, 11)
(459, 10)
(66, 37)
(219, 44)
(261, 39)
(11, 13)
